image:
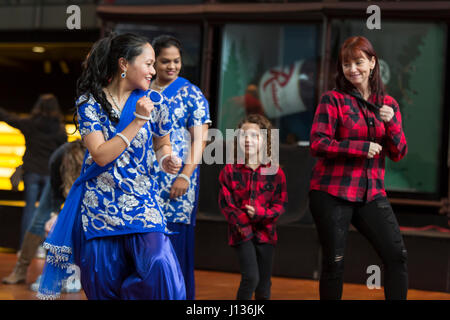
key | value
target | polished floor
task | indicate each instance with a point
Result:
(213, 285)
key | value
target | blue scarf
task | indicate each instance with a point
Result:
(59, 242)
(173, 88)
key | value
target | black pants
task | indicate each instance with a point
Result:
(376, 221)
(255, 260)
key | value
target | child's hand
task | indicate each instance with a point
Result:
(250, 210)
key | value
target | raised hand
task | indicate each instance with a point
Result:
(144, 106)
(386, 113)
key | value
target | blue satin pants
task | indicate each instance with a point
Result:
(184, 245)
(140, 266)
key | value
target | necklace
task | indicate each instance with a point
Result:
(114, 100)
(160, 88)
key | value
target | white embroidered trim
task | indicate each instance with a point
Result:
(60, 255)
(57, 261)
(43, 296)
(57, 249)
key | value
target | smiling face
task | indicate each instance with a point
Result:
(140, 70)
(357, 69)
(168, 65)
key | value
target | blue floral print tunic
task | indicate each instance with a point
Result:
(188, 108)
(123, 199)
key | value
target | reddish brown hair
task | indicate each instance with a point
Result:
(71, 164)
(353, 48)
(263, 123)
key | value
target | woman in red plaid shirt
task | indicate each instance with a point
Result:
(355, 127)
(252, 202)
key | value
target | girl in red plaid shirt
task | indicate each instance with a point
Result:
(252, 202)
(355, 127)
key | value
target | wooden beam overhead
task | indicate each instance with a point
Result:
(267, 11)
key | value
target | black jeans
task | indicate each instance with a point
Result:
(255, 260)
(376, 221)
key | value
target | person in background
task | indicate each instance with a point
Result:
(252, 202)
(250, 101)
(64, 167)
(190, 119)
(44, 132)
(356, 126)
(68, 160)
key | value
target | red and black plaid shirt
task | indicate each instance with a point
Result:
(340, 138)
(240, 186)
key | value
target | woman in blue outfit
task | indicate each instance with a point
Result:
(111, 225)
(190, 118)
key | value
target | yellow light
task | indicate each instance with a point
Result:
(12, 148)
(47, 66)
(38, 49)
(64, 67)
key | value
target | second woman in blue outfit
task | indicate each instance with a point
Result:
(119, 235)
(190, 118)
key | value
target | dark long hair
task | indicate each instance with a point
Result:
(352, 49)
(166, 41)
(47, 114)
(47, 105)
(101, 66)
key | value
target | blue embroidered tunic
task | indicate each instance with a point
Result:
(188, 108)
(123, 199)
